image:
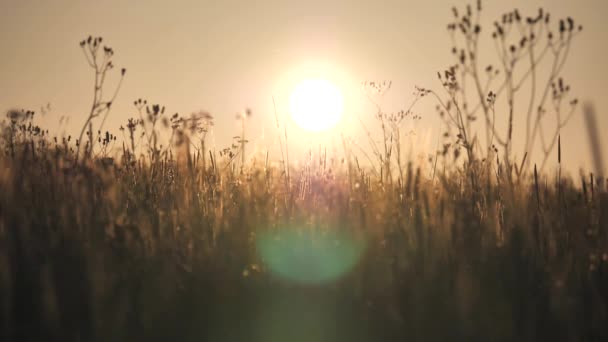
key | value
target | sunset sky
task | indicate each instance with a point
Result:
(224, 56)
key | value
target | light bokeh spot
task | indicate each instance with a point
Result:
(307, 257)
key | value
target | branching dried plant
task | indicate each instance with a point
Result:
(525, 47)
(390, 124)
(99, 57)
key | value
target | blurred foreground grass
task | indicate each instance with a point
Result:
(133, 250)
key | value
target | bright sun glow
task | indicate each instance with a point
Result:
(316, 105)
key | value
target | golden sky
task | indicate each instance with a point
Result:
(223, 56)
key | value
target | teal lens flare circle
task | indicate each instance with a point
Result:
(309, 257)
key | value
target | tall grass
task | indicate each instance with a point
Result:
(156, 249)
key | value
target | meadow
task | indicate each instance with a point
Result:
(154, 235)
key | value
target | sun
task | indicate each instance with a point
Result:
(316, 105)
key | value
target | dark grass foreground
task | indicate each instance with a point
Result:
(134, 251)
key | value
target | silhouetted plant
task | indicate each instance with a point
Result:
(523, 46)
(99, 57)
(390, 124)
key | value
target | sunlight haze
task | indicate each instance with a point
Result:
(224, 56)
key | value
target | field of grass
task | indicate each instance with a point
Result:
(168, 250)
(101, 240)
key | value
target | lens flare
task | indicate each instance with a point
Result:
(307, 257)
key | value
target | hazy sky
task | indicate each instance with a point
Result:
(223, 56)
